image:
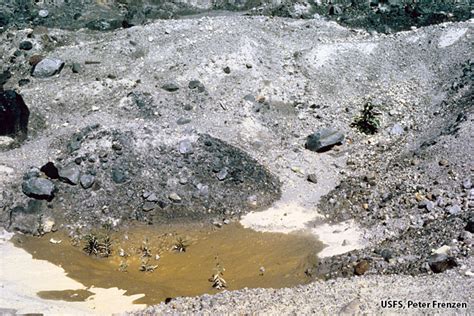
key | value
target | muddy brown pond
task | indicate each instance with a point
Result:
(146, 260)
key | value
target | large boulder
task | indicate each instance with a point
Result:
(39, 188)
(48, 67)
(14, 115)
(323, 139)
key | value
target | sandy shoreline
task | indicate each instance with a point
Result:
(21, 277)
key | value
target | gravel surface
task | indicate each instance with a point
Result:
(354, 296)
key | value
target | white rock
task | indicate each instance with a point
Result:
(443, 250)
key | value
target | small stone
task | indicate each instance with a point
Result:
(323, 140)
(454, 209)
(386, 254)
(48, 67)
(196, 84)
(76, 68)
(117, 146)
(170, 87)
(397, 130)
(174, 197)
(87, 181)
(39, 188)
(430, 206)
(441, 262)
(203, 189)
(443, 162)
(47, 225)
(296, 169)
(467, 184)
(227, 70)
(118, 176)
(252, 201)
(222, 174)
(43, 13)
(70, 174)
(152, 198)
(312, 178)
(26, 45)
(361, 267)
(370, 178)
(23, 82)
(226, 221)
(249, 66)
(183, 121)
(148, 206)
(443, 250)
(185, 147)
(188, 107)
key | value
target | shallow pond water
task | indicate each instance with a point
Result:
(242, 257)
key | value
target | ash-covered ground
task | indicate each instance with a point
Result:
(208, 118)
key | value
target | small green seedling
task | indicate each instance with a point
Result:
(368, 121)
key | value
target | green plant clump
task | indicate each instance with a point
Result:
(180, 245)
(97, 246)
(368, 121)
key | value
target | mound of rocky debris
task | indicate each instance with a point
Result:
(109, 177)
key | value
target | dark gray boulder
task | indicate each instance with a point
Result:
(70, 174)
(39, 188)
(323, 140)
(14, 115)
(441, 262)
